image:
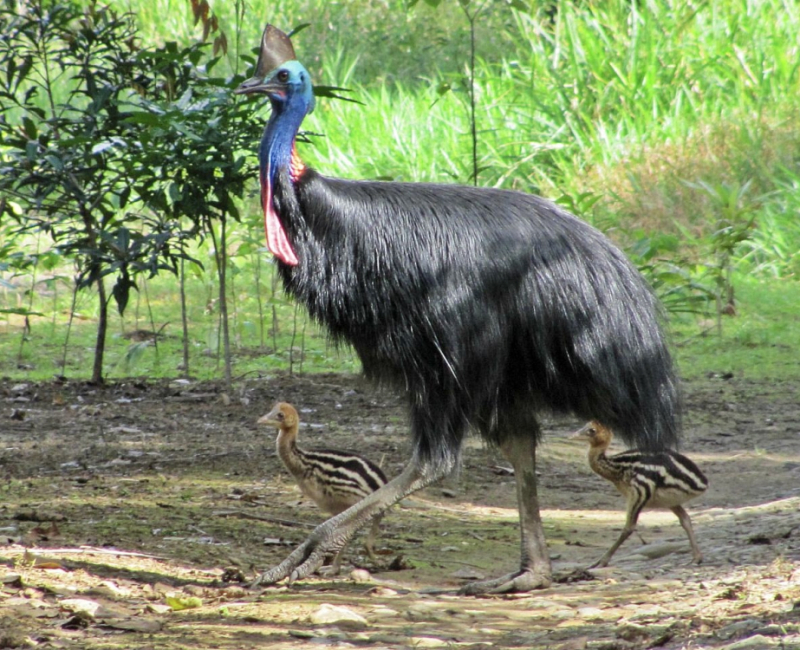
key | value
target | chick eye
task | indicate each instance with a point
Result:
(283, 76)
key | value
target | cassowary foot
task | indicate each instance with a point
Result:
(328, 571)
(520, 581)
(302, 562)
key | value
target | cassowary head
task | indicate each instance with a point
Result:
(279, 75)
(287, 85)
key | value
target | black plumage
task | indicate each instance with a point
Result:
(485, 307)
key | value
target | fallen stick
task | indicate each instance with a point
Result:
(90, 549)
(272, 520)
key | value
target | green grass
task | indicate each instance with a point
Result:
(762, 341)
(298, 344)
(630, 103)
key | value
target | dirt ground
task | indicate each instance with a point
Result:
(132, 515)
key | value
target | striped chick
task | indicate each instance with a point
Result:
(334, 480)
(663, 479)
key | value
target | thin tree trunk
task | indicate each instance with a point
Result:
(26, 330)
(153, 323)
(184, 319)
(69, 326)
(222, 260)
(100, 341)
(259, 300)
(294, 338)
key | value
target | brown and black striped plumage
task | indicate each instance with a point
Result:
(334, 480)
(664, 479)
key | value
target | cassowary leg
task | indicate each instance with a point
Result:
(535, 571)
(683, 517)
(331, 536)
(369, 545)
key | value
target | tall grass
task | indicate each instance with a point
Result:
(620, 107)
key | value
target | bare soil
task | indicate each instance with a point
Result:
(131, 516)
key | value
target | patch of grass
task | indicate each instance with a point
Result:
(286, 338)
(762, 341)
(614, 101)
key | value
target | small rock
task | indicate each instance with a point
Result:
(12, 580)
(107, 587)
(757, 642)
(738, 628)
(157, 608)
(590, 612)
(384, 612)
(428, 642)
(80, 606)
(383, 592)
(360, 575)
(328, 614)
(421, 612)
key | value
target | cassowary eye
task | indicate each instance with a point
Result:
(283, 76)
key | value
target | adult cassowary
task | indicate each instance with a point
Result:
(485, 307)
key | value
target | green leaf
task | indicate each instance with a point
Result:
(55, 161)
(29, 127)
(178, 603)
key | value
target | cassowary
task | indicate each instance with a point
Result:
(485, 307)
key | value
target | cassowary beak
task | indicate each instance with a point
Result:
(253, 85)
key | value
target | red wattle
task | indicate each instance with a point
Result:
(277, 241)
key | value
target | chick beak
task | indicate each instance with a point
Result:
(270, 419)
(583, 432)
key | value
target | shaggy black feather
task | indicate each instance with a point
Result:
(486, 306)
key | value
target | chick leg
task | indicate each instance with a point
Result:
(635, 505)
(683, 517)
(369, 544)
(535, 571)
(331, 536)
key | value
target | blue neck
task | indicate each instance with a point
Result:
(275, 151)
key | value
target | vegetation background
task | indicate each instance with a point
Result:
(671, 126)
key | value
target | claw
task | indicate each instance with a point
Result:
(521, 581)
